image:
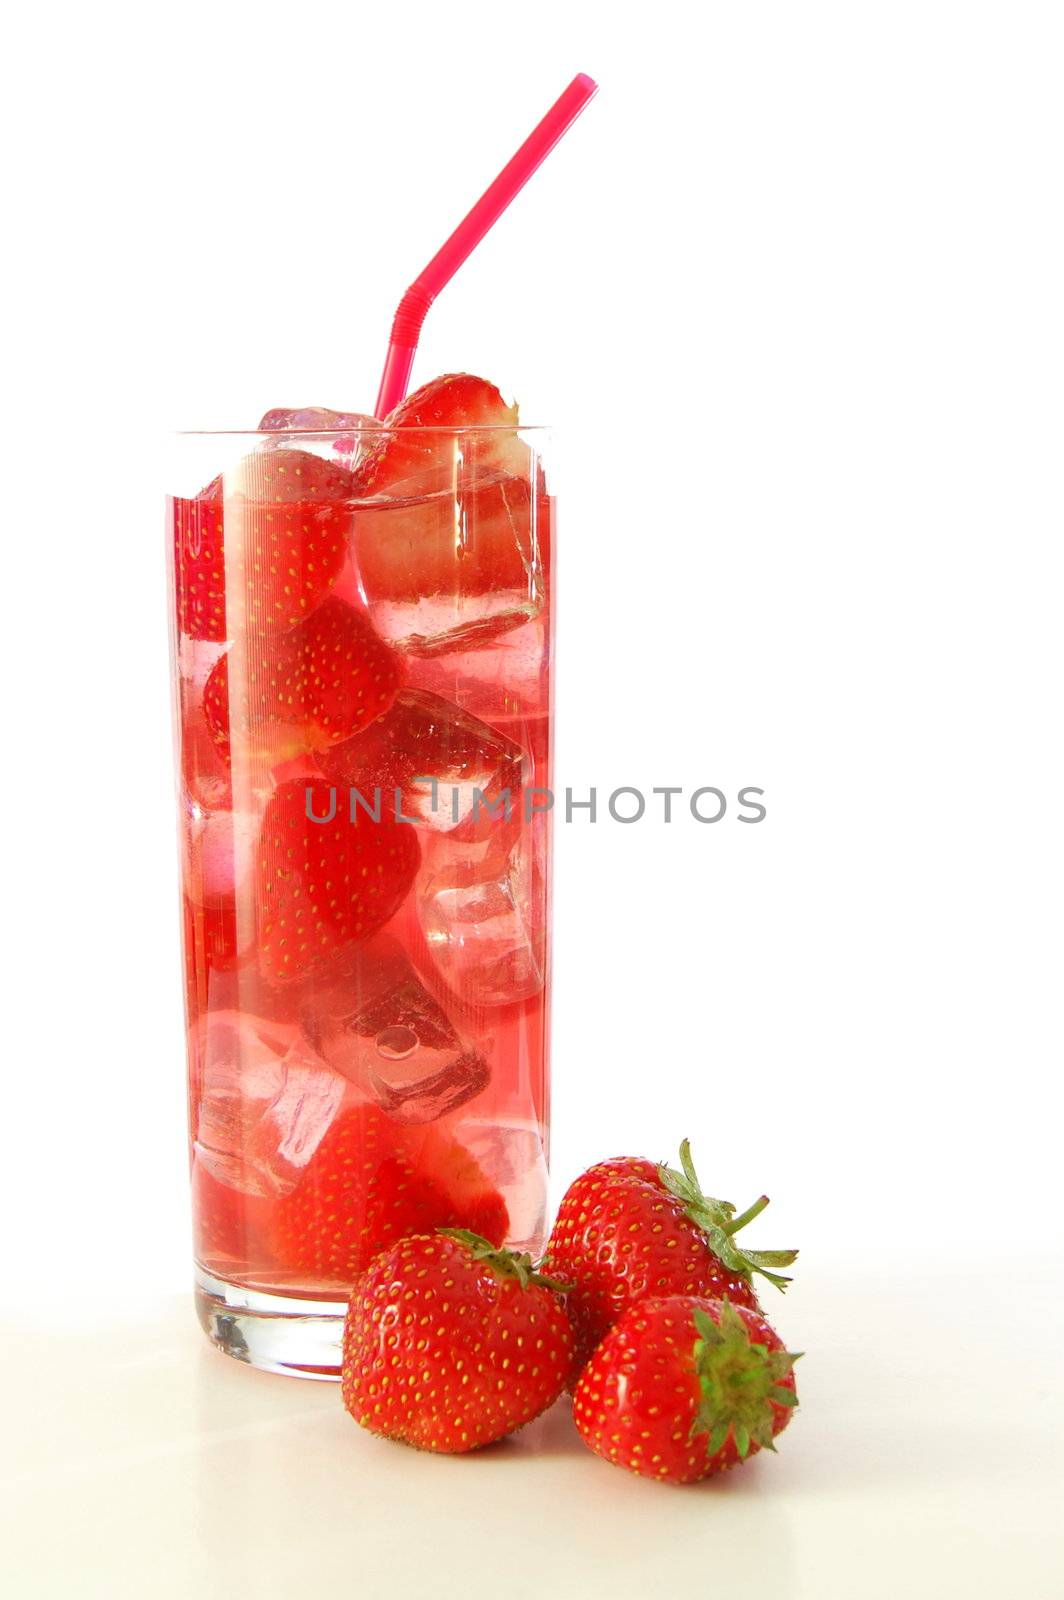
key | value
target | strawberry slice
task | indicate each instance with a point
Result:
(451, 527)
(407, 462)
(289, 477)
(341, 676)
(371, 1182)
(324, 884)
(326, 680)
(216, 707)
(294, 512)
(199, 567)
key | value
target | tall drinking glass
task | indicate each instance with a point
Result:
(362, 688)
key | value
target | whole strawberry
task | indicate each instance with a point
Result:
(627, 1229)
(450, 1344)
(683, 1387)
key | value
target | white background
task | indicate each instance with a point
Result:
(792, 287)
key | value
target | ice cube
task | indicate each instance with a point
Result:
(482, 908)
(504, 683)
(205, 777)
(262, 1102)
(349, 446)
(455, 569)
(219, 853)
(373, 1020)
(449, 769)
(313, 419)
(512, 1154)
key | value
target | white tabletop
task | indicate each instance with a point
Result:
(925, 1461)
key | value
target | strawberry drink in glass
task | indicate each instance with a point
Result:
(362, 637)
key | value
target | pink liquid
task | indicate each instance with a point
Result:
(395, 1079)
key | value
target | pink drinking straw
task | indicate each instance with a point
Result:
(406, 326)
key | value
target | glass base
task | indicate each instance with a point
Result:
(275, 1332)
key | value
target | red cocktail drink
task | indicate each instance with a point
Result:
(362, 624)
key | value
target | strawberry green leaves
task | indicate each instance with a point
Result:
(507, 1263)
(719, 1223)
(741, 1381)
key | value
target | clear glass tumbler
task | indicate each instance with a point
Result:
(362, 689)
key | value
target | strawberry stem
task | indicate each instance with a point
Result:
(506, 1263)
(747, 1216)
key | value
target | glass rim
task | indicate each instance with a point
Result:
(379, 430)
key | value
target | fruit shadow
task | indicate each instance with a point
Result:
(550, 1435)
(554, 1436)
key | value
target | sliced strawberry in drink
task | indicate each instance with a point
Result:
(418, 456)
(290, 477)
(341, 675)
(216, 708)
(199, 567)
(323, 884)
(296, 523)
(290, 512)
(369, 1183)
(315, 686)
(449, 536)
